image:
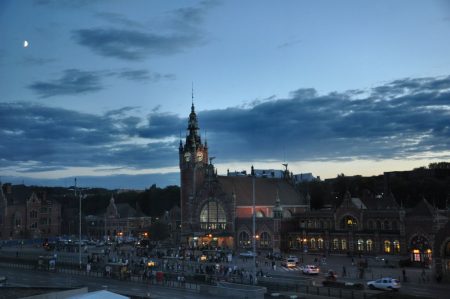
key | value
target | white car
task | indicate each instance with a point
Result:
(247, 254)
(293, 257)
(290, 263)
(311, 269)
(385, 283)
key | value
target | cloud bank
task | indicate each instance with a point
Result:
(400, 119)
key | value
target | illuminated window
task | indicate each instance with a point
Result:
(313, 243)
(416, 255)
(360, 245)
(212, 216)
(387, 246)
(344, 244)
(320, 243)
(244, 239)
(396, 244)
(264, 239)
(369, 245)
(335, 244)
(348, 222)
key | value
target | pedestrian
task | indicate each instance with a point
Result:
(344, 271)
(423, 275)
(404, 275)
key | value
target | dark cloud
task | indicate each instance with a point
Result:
(137, 44)
(144, 75)
(31, 60)
(398, 120)
(72, 82)
(75, 82)
(35, 136)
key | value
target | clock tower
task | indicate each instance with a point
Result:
(193, 156)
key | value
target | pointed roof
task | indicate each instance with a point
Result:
(422, 209)
(193, 139)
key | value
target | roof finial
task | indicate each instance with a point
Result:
(192, 94)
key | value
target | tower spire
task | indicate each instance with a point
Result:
(192, 93)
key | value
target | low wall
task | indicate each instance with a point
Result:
(233, 290)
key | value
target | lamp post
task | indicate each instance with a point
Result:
(254, 233)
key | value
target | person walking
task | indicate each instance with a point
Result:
(344, 271)
(404, 275)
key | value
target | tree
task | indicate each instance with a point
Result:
(439, 165)
(159, 231)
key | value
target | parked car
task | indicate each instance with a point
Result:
(385, 283)
(311, 269)
(247, 254)
(290, 263)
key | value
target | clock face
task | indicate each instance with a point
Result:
(199, 156)
(187, 157)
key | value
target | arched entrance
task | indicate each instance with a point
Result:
(420, 250)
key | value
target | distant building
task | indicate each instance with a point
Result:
(27, 214)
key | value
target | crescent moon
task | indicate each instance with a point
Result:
(25, 44)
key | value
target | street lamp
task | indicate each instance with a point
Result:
(80, 196)
(254, 234)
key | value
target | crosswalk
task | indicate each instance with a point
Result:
(282, 268)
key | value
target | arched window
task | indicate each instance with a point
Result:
(386, 225)
(387, 246)
(378, 224)
(33, 214)
(212, 216)
(360, 245)
(369, 245)
(396, 244)
(244, 239)
(370, 224)
(335, 244)
(313, 243)
(264, 240)
(344, 244)
(349, 222)
(320, 243)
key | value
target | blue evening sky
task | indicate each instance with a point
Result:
(103, 89)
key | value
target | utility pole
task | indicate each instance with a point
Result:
(79, 223)
(254, 230)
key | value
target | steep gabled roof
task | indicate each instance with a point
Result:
(422, 209)
(265, 191)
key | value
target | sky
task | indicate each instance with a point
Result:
(103, 90)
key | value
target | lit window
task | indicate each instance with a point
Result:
(387, 246)
(320, 243)
(313, 243)
(369, 245)
(360, 245)
(244, 239)
(396, 244)
(335, 244)
(344, 244)
(212, 216)
(264, 240)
